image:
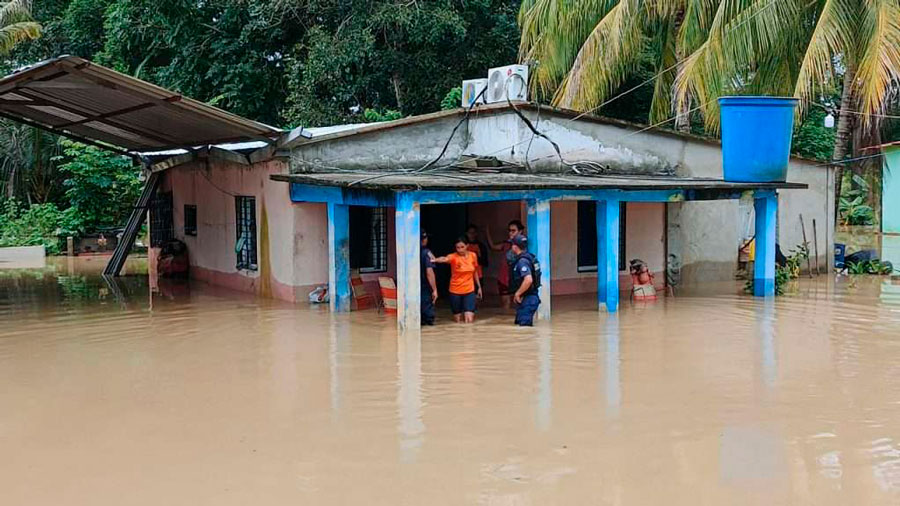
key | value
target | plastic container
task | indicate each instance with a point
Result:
(756, 138)
(388, 294)
(840, 251)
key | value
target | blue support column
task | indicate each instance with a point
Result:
(766, 208)
(408, 262)
(538, 232)
(608, 254)
(339, 291)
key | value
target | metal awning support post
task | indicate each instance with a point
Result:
(538, 231)
(766, 208)
(138, 215)
(339, 291)
(608, 254)
(409, 246)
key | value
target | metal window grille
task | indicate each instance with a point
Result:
(377, 241)
(190, 219)
(162, 226)
(368, 239)
(587, 236)
(245, 247)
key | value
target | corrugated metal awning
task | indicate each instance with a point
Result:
(74, 97)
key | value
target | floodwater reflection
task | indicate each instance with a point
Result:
(111, 389)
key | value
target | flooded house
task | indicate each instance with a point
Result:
(280, 212)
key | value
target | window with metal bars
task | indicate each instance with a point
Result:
(245, 245)
(190, 219)
(162, 227)
(587, 236)
(368, 239)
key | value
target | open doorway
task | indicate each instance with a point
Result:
(444, 223)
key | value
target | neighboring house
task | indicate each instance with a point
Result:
(890, 196)
(278, 213)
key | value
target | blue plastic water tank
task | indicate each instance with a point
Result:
(756, 138)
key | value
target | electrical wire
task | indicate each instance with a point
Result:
(858, 113)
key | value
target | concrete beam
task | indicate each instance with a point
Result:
(339, 291)
(608, 254)
(407, 220)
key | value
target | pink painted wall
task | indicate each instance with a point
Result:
(292, 247)
(645, 230)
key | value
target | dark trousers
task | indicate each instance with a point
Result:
(427, 308)
(525, 311)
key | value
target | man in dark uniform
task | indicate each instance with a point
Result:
(429, 292)
(526, 279)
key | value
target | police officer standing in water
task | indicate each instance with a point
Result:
(526, 279)
(429, 293)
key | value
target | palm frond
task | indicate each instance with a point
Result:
(740, 32)
(12, 35)
(553, 31)
(661, 104)
(605, 59)
(15, 11)
(832, 36)
(879, 63)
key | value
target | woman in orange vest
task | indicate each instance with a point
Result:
(465, 287)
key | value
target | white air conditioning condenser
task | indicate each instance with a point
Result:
(510, 81)
(472, 92)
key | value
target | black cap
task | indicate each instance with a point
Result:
(520, 241)
(425, 235)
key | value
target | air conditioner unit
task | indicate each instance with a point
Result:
(471, 92)
(510, 81)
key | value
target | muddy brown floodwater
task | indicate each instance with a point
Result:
(200, 396)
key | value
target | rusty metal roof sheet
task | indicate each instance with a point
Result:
(74, 97)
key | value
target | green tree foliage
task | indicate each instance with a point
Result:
(390, 54)
(812, 139)
(34, 225)
(101, 187)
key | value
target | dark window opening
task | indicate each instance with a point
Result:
(245, 247)
(368, 239)
(587, 236)
(190, 220)
(162, 226)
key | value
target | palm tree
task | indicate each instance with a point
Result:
(705, 49)
(17, 26)
(805, 49)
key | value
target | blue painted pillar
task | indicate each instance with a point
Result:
(766, 208)
(608, 254)
(538, 232)
(339, 291)
(409, 246)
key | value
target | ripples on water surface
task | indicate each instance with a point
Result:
(203, 396)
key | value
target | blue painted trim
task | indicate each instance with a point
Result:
(352, 197)
(409, 246)
(342, 196)
(539, 244)
(608, 254)
(339, 289)
(764, 266)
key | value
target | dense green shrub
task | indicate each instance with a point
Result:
(35, 225)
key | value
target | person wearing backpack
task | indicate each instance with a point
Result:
(525, 282)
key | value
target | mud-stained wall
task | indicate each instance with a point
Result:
(292, 247)
(283, 228)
